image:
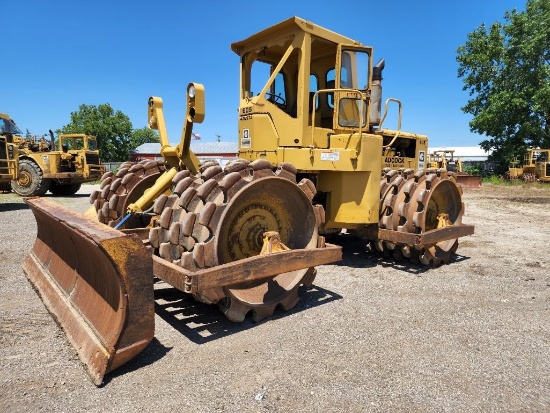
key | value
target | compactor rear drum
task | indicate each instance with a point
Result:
(416, 202)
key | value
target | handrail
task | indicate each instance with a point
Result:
(399, 115)
(357, 91)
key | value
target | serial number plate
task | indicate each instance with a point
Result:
(330, 156)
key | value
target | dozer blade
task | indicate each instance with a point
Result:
(96, 282)
(468, 181)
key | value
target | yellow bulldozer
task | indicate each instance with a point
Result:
(536, 166)
(313, 159)
(446, 159)
(9, 153)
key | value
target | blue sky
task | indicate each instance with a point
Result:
(60, 54)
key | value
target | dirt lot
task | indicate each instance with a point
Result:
(371, 335)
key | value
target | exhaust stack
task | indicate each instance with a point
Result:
(376, 93)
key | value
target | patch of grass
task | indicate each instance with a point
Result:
(499, 180)
(516, 183)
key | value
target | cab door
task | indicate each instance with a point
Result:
(353, 78)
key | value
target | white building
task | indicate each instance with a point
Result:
(221, 152)
(465, 153)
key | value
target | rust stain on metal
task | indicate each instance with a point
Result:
(96, 282)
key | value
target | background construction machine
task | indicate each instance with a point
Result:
(9, 153)
(312, 160)
(42, 168)
(536, 166)
(447, 160)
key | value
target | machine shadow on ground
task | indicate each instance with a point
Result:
(77, 195)
(202, 323)
(154, 352)
(357, 254)
(12, 206)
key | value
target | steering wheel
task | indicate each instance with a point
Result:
(277, 99)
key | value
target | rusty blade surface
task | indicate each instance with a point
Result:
(96, 282)
(469, 181)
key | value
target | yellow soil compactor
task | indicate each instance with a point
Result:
(536, 166)
(313, 159)
(446, 159)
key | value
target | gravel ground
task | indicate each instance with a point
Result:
(371, 335)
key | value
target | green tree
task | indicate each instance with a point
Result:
(113, 130)
(505, 69)
(143, 135)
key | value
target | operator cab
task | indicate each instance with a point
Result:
(301, 76)
(78, 142)
(305, 87)
(8, 127)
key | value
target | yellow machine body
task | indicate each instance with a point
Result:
(73, 159)
(535, 167)
(46, 165)
(446, 159)
(9, 152)
(317, 106)
(313, 157)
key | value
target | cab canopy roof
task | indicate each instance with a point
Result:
(285, 29)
